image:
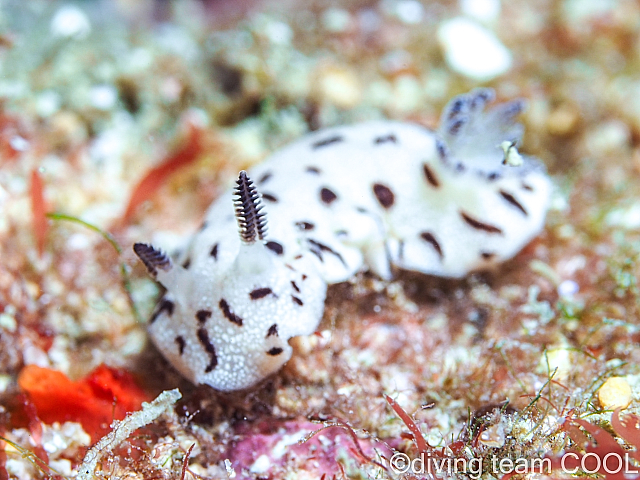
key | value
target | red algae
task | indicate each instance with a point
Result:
(157, 176)
(105, 395)
(38, 210)
(601, 454)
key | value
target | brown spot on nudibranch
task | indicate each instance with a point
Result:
(259, 293)
(429, 238)
(275, 247)
(270, 198)
(273, 330)
(214, 251)
(384, 195)
(327, 196)
(487, 255)
(164, 306)
(318, 248)
(265, 177)
(430, 176)
(327, 141)
(305, 225)
(181, 344)
(391, 138)
(478, 225)
(275, 351)
(203, 337)
(226, 311)
(295, 286)
(297, 300)
(318, 254)
(203, 316)
(512, 200)
(313, 170)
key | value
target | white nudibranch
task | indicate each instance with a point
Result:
(379, 196)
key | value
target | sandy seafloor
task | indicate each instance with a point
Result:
(94, 95)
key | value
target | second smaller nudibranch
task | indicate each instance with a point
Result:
(228, 325)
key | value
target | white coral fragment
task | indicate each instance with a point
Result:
(121, 429)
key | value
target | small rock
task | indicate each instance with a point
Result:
(5, 381)
(336, 20)
(48, 103)
(70, 22)
(615, 393)
(568, 288)
(624, 216)
(368, 20)
(472, 50)
(558, 361)
(493, 436)
(8, 322)
(279, 33)
(396, 61)
(407, 94)
(103, 97)
(409, 11)
(562, 121)
(581, 13)
(338, 86)
(171, 88)
(483, 10)
(65, 128)
(608, 137)
(261, 465)
(18, 143)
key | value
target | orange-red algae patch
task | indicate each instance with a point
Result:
(94, 401)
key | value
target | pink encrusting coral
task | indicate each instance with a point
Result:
(276, 448)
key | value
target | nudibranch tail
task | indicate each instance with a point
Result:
(252, 221)
(153, 259)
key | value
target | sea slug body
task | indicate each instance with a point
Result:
(380, 196)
